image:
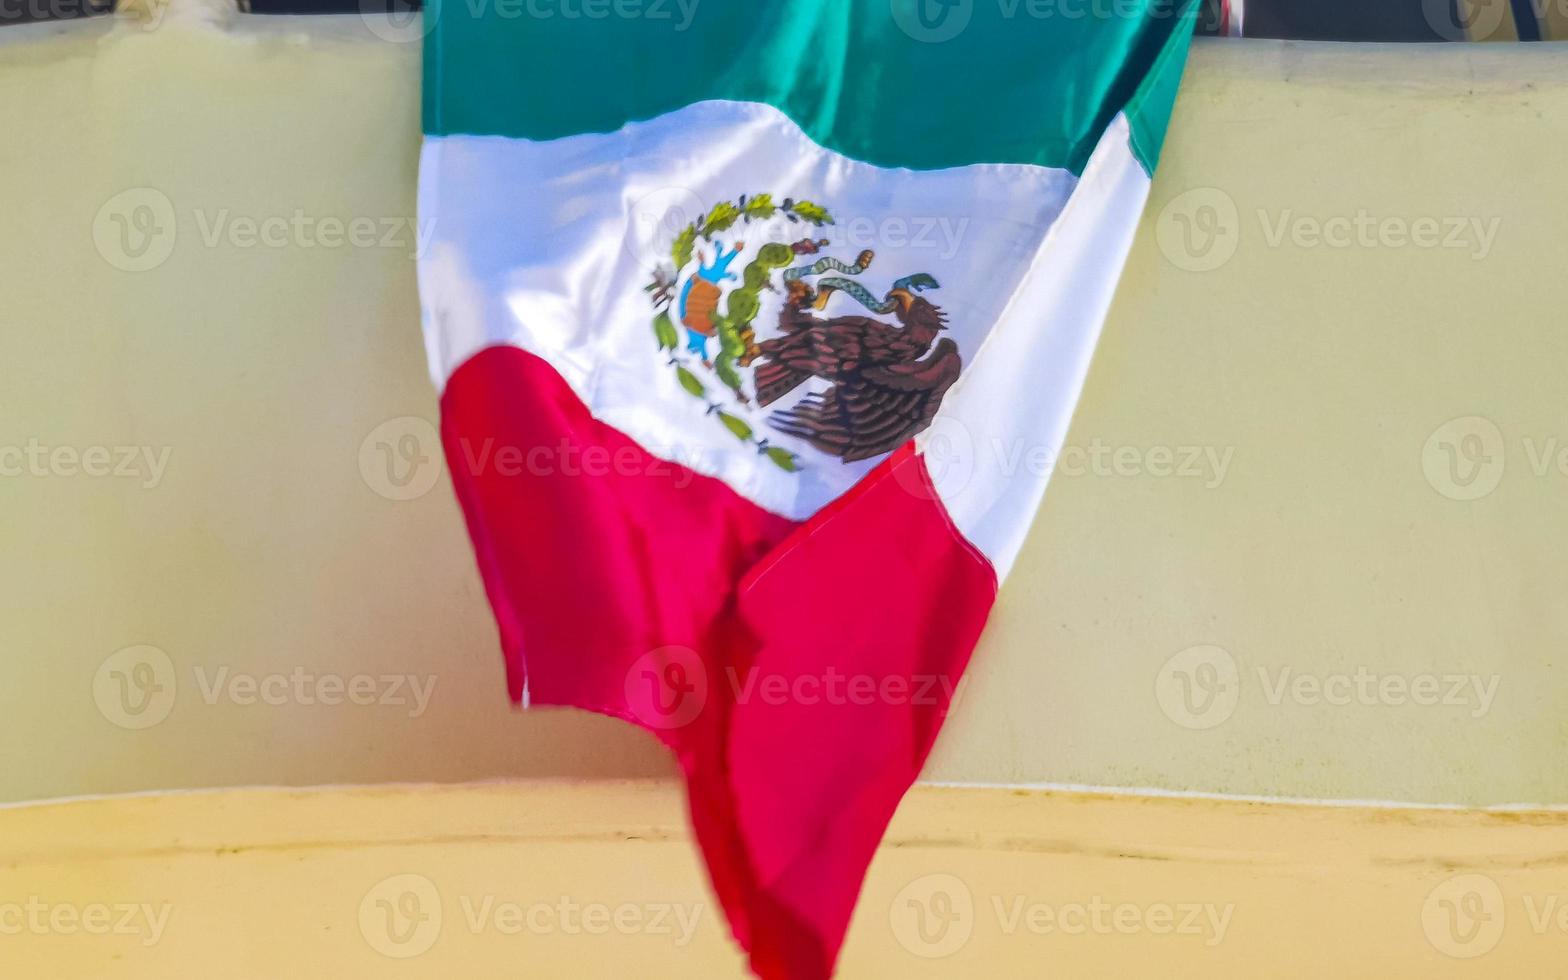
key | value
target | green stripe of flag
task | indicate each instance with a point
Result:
(923, 84)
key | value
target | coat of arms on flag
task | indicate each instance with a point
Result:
(721, 284)
(852, 385)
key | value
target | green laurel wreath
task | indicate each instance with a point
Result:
(734, 330)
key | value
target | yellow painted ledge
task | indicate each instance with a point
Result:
(598, 879)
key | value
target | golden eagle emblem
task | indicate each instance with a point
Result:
(871, 384)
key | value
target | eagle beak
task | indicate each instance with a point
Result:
(822, 297)
(905, 298)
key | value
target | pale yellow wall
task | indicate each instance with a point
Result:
(1334, 542)
(266, 547)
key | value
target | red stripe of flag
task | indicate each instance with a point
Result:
(799, 671)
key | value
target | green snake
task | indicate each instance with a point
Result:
(919, 281)
(827, 263)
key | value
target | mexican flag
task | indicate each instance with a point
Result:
(743, 316)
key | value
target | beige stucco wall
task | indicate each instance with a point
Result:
(259, 535)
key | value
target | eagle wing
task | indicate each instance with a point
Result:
(876, 411)
(820, 350)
